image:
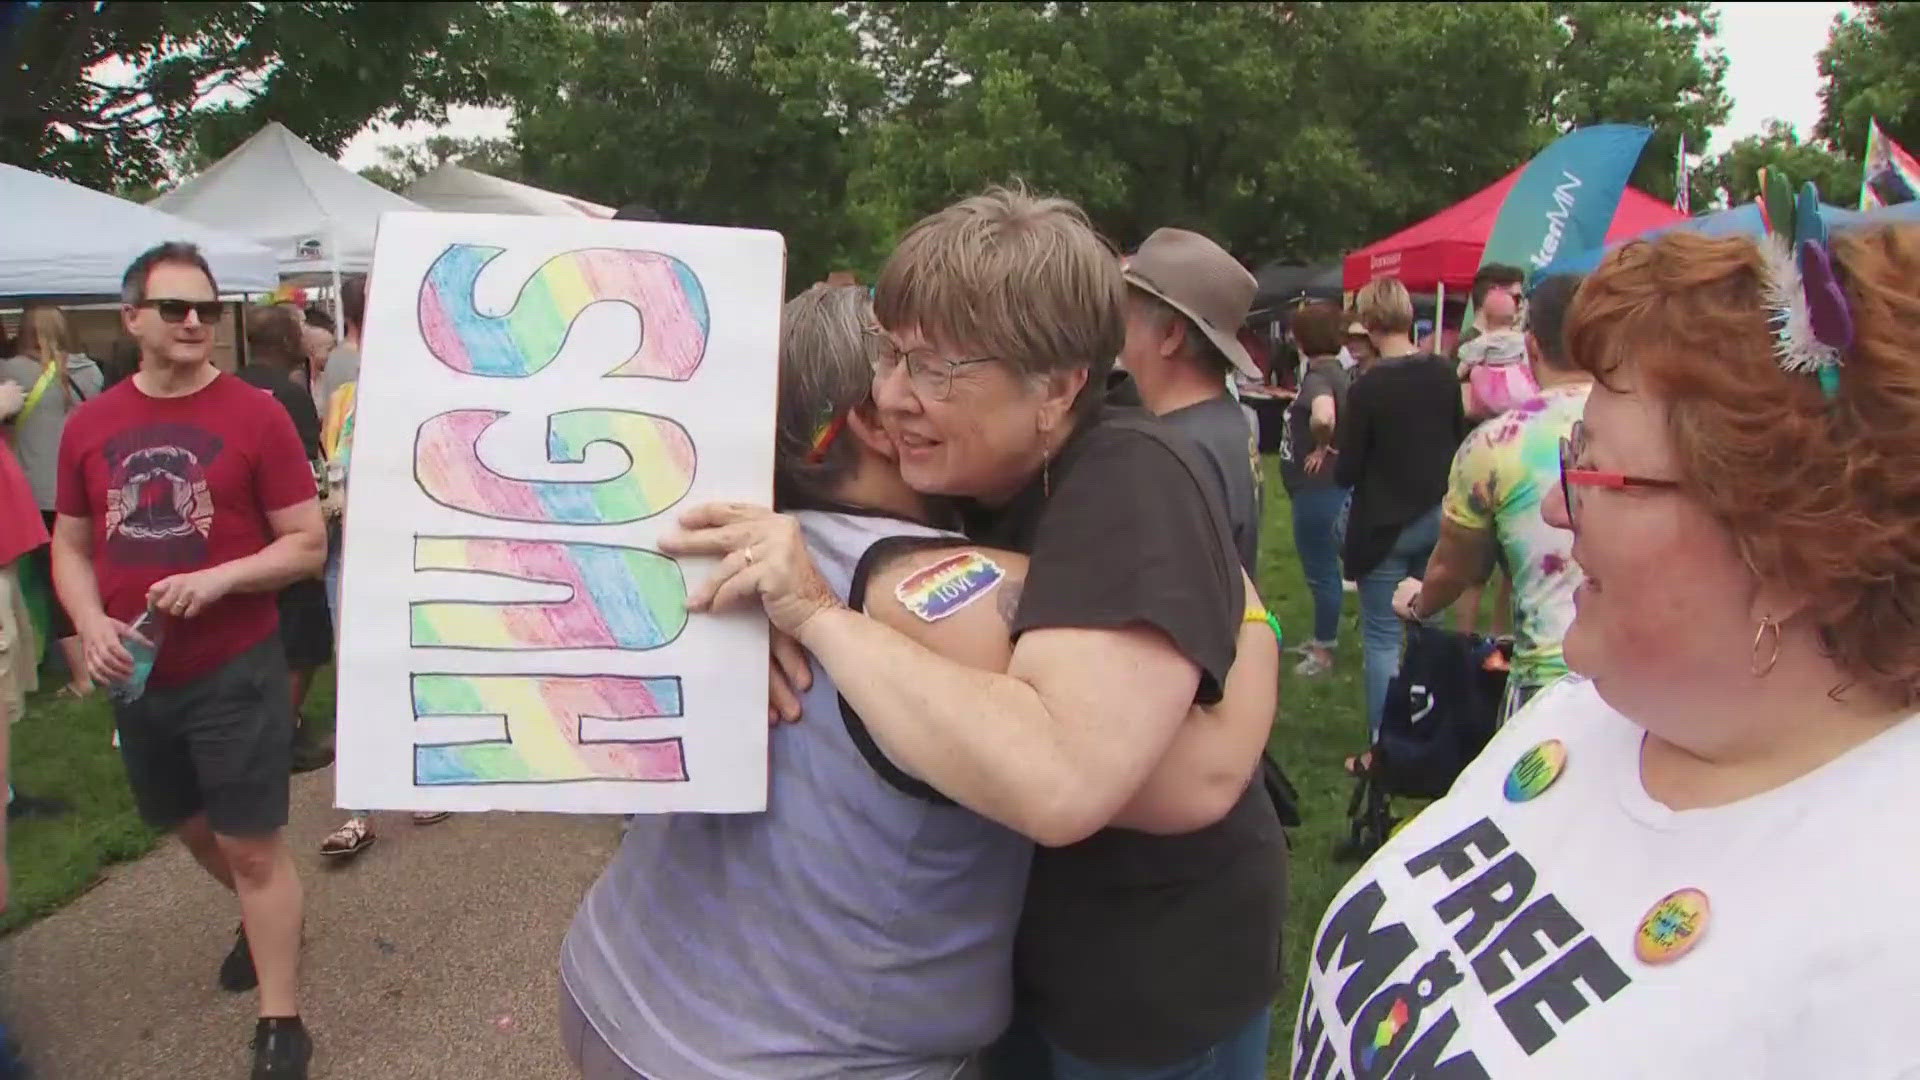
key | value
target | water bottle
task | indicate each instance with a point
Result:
(150, 627)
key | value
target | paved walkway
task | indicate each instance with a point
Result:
(430, 957)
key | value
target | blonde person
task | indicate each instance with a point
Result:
(998, 318)
(55, 378)
(1402, 422)
(888, 894)
(1690, 861)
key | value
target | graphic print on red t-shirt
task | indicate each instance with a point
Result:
(159, 507)
(175, 485)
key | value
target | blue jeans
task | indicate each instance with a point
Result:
(1025, 1054)
(1380, 634)
(1318, 518)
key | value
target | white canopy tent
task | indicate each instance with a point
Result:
(316, 215)
(457, 189)
(64, 240)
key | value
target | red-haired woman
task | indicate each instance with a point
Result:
(1696, 860)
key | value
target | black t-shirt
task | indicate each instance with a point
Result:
(1403, 421)
(298, 403)
(1137, 949)
(1324, 377)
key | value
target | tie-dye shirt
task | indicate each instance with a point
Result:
(1501, 474)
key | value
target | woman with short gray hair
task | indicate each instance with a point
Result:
(863, 926)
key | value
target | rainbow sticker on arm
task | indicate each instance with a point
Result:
(660, 470)
(620, 597)
(937, 591)
(558, 729)
(527, 337)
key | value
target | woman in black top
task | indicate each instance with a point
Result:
(1403, 421)
(274, 351)
(1307, 469)
(997, 321)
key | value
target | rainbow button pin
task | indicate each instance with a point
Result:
(1672, 927)
(1536, 770)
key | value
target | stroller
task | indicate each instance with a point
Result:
(1440, 711)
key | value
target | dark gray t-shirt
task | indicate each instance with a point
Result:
(1323, 376)
(1220, 427)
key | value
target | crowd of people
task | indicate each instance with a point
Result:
(1041, 836)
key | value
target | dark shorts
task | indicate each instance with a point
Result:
(221, 744)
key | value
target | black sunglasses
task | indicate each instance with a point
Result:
(175, 311)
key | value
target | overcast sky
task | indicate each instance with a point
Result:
(1772, 71)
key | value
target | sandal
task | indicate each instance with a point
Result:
(431, 817)
(354, 836)
(77, 691)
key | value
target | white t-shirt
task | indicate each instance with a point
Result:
(1497, 939)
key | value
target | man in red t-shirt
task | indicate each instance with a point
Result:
(185, 492)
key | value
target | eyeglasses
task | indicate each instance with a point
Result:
(175, 311)
(1572, 449)
(932, 376)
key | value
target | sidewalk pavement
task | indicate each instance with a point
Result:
(432, 956)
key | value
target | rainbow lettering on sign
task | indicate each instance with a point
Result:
(559, 729)
(528, 336)
(660, 460)
(948, 585)
(618, 597)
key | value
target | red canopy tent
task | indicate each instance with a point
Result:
(1445, 248)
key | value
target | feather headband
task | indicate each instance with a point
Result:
(1811, 322)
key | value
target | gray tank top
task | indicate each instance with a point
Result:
(853, 930)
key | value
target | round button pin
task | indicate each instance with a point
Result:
(1536, 770)
(1672, 927)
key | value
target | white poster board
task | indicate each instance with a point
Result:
(539, 399)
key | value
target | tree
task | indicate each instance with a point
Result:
(717, 113)
(1735, 173)
(402, 165)
(1638, 63)
(1290, 130)
(114, 93)
(1871, 70)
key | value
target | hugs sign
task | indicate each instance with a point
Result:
(537, 397)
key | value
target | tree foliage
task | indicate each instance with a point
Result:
(1293, 130)
(1735, 174)
(1871, 70)
(715, 113)
(400, 165)
(114, 94)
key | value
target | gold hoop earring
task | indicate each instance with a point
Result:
(1761, 670)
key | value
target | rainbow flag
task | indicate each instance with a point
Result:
(1891, 175)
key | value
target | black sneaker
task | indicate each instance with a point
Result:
(281, 1049)
(311, 750)
(26, 807)
(236, 971)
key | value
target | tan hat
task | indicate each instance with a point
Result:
(1201, 281)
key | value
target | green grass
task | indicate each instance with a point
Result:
(62, 748)
(1322, 721)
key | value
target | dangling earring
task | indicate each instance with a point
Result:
(1761, 670)
(1046, 458)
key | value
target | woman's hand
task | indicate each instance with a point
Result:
(788, 676)
(761, 554)
(1406, 599)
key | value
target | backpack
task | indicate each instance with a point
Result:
(1440, 712)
